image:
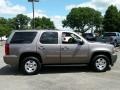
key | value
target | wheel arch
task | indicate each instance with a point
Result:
(101, 53)
(27, 54)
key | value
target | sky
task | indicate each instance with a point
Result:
(56, 10)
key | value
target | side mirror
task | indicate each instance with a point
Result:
(80, 42)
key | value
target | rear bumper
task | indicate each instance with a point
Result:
(11, 60)
(114, 58)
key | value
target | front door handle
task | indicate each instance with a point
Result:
(65, 48)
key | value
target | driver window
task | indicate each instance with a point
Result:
(69, 38)
(118, 34)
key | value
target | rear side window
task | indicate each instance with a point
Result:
(23, 37)
(49, 38)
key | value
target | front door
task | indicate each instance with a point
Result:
(71, 51)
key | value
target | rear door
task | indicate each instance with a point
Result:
(49, 48)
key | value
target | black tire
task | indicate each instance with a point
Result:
(104, 67)
(34, 64)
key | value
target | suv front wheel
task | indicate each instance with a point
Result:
(31, 65)
(115, 43)
(100, 63)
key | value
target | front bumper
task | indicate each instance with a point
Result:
(114, 58)
(11, 60)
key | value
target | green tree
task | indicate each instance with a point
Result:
(3, 20)
(111, 19)
(118, 22)
(2, 30)
(11, 23)
(20, 22)
(5, 29)
(83, 19)
(43, 23)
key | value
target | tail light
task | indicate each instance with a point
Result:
(7, 49)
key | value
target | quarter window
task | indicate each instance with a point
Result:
(23, 37)
(49, 38)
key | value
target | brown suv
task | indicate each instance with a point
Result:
(29, 50)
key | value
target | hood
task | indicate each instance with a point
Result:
(98, 46)
(101, 45)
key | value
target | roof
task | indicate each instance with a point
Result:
(41, 30)
(111, 32)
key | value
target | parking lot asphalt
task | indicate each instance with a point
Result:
(59, 78)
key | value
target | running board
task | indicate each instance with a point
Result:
(66, 65)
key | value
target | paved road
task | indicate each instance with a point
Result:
(59, 78)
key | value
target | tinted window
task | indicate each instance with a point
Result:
(23, 37)
(87, 34)
(109, 34)
(118, 34)
(49, 38)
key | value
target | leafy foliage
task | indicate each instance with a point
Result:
(111, 19)
(83, 19)
(5, 29)
(43, 23)
(79, 19)
(20, 22)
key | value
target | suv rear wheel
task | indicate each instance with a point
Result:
(100, 63)
(31, 65)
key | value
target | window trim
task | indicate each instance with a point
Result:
(21, 39)
(69, 43)
(49, 43)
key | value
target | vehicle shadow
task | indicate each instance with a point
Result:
(8, 70)
(64, 69)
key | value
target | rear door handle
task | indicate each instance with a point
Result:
(41, 48)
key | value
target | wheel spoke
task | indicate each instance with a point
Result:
(30, 66)
(101, 63)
